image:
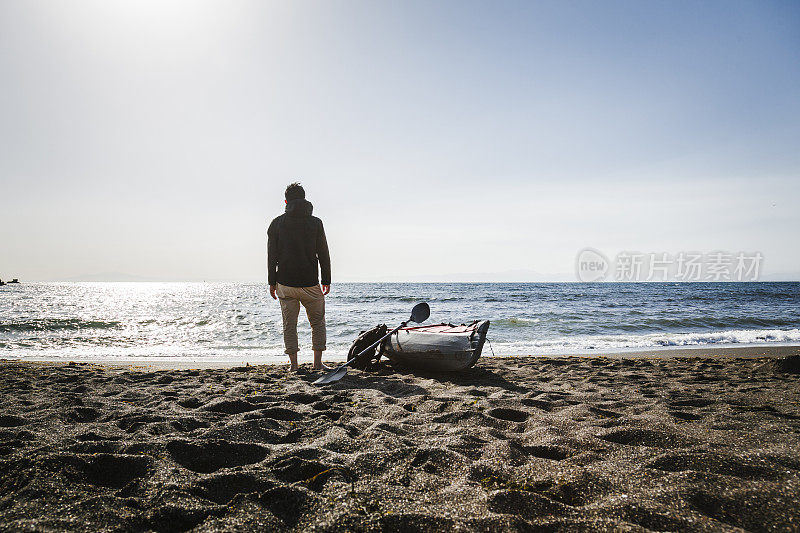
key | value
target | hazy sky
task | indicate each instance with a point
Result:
(435, 139)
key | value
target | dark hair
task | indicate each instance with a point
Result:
(295, 191)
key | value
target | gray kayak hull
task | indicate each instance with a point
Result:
(442, 347)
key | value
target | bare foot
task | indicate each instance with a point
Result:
(323, 367)
(294, 368)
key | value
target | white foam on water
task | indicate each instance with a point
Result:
(611, 343)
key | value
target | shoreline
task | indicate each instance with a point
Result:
(750, 351)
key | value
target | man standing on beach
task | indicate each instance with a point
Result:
(295, 245)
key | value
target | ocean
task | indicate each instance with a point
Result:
(240, 322)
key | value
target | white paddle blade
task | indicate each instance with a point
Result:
(331, 377)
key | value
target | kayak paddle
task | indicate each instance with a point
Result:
(419, 314)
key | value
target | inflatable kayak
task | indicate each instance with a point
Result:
(438, 347)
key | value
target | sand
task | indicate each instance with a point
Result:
(521, 444)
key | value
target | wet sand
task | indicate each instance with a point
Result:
(690, 443)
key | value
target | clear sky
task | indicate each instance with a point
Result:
(439, 140)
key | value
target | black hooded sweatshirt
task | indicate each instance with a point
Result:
(295, 243)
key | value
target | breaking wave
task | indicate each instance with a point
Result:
(587, 343)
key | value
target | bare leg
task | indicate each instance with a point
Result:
(293, 362)
(318, 365)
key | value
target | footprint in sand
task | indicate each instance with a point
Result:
(230, 407)
(646, 437)
(293, 468)
(604, 412)
(221, 488)
(210, 456)
(438, 461)
(190, 403)
(278, 413)
(8, 421)
(554, 453)
(188, 424)
(81, 415)
(714, 463)
(288, 503)
(691, 402)
(683, 415)
(102, 469)
(529, 505)
(539, 404)
(134, 422)
(510, 415)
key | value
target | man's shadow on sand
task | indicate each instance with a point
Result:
(472, 377)
(385, 379)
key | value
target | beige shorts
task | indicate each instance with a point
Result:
(314, 301)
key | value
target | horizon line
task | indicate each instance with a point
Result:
(796, 280)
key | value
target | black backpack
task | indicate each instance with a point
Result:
(366, 338)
